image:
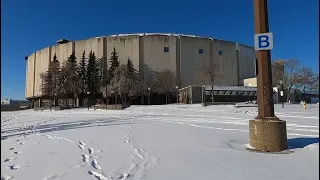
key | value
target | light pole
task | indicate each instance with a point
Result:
(281, 93)
(267, 132)
(149, 90)
(112, 92)
(55, 99)
(177, 89)
(88, 93)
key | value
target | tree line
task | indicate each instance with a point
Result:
(293, 74)
(84, 80)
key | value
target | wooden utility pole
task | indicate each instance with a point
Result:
(267, 132)
(264, 78)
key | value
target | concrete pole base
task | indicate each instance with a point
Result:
(268, 135)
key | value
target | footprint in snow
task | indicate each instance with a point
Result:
(98, 175)
(14, 167)
(123, 176)
(11, 149)
(82, 143)
(6, 177)
(85, 158)
(95, 164)
(81, 146)
(91, 150)
(9, 159)
(17, 152)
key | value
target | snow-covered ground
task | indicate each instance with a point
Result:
(181, 142)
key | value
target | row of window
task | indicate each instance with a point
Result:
(166, 49)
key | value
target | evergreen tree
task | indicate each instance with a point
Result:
(54, 67)
(130, 70)
(50, 80)
(72, 80)
(114, 64)
(93, 77)
(69, 80)
(82, 75)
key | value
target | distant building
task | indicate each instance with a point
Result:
(11, 101)
(151, 53)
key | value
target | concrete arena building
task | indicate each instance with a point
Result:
(150, 53)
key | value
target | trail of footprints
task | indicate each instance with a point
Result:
(142, 161)
(9, 161)
(90, 159)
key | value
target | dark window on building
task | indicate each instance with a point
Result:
(200, 51)
(166, 49)
(220, 53)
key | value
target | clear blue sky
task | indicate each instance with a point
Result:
(30, 25)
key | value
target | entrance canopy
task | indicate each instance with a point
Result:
(231, 90)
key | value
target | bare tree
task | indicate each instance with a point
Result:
(292, 70)
(277, 72)
(166, 83)
(315, 86)
(208, 72)
(307, 79)
(125, 85)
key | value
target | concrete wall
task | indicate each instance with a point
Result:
(246, 62)
(227, 62)
(42, 65)
(155, 59)
(62, 51)
(127, 47)
(96, 45)
(148, 56)
(30, 75)
(191, 59)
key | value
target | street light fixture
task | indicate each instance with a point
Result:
(88, 93)
(177, 89)
(149, 89)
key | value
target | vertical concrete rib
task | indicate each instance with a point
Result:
(237, 62)
(178, 56)
(211, 54)
(141, 58)
(34, 72)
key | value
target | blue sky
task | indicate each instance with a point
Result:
(30, 25)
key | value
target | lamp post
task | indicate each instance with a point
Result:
(112, 92)
(88, 93)
(281, 93)
(267, 132)
(177, 89)
(55, 99)
(149, 90)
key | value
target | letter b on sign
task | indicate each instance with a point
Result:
(263, 41)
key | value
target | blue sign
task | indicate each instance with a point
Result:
(263, 41)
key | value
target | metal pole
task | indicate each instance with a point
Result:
(204, 96)
(264, 78)
(282, 95)
(177, 89)
(177, 97)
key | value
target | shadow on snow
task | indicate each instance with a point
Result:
(302, 142)
(65, 126)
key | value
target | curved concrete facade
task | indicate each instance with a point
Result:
(151, 53)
